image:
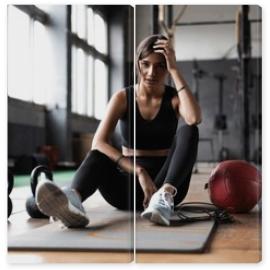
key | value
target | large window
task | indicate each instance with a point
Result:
(89, 62)
(27, 56)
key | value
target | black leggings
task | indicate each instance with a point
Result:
(98, 171)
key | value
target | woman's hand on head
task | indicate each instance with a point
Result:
(164, 47)
(147, 185)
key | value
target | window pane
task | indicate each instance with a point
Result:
(74, 18)
(90, 26)
(90, 86)
(81, 21)
(101, 88)
(100, 34)
(74, 78)
(81, 82)
(40, 64)
(19, 61)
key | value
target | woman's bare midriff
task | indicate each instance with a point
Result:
(146, 153)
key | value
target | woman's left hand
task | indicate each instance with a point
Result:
(165, 47)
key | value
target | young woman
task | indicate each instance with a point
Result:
(165, 153)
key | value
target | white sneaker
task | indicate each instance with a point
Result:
(62, 204)
(160, 208)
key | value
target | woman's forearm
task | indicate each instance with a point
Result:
(189, 107)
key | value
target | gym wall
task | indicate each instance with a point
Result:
(213, 46)
(232, 106)
(31, 125)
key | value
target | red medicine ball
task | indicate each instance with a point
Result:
(235, 185)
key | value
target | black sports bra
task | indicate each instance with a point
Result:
(152, 134)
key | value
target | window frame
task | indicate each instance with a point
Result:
(89, 50)
(35, 14)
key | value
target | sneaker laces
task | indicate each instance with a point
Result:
(164, 201)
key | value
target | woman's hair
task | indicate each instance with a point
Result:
(146, 47)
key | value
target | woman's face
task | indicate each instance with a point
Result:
(153, 70)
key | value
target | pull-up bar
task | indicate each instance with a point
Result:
(214, 22)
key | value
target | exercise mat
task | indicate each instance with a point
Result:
(181, 237)
(111, 229)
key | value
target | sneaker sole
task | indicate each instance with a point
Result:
(156, 217)
(52, 201)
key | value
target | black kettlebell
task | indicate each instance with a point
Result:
(10, 181)
(31, 206)
(10, 187)
(10, 206)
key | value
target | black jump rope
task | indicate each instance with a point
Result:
(199, 211)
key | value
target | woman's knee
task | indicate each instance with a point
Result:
(96, 153)
(96, 156)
